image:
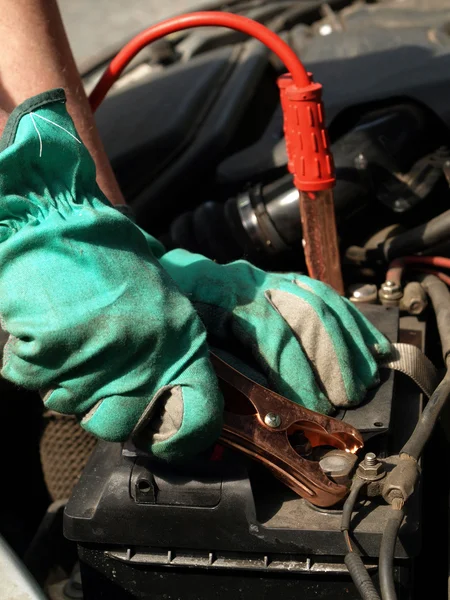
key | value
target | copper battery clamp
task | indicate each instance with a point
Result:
(260, 422)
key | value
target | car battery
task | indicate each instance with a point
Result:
(227, 528)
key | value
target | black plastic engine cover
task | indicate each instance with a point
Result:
(167, 132)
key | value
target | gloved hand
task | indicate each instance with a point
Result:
(313, 346)
(94, 322)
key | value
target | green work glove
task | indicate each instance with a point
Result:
(95, 324)
(312, 345)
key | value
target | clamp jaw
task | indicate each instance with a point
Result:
(262, 424)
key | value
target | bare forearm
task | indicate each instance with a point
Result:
(36, 56)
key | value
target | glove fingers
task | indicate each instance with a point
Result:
(343, 306)
(282, 361)
(318, 333)
(180, 421)
(351, 337)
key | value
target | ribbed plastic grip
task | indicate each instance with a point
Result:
(309, 156)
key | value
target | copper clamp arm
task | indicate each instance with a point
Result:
(260, 423)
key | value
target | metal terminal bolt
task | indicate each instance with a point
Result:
(370, 469)
(272, 420)
(390, 288)
(338, 465)
(390, 293)
(363, 292)
(370, 459)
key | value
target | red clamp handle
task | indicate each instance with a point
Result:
(309, 156)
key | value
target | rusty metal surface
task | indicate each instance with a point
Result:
(247, 405)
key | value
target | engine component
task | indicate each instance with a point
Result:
(382, 50)
(417, 239)
(390, 293)
(182, 121)
(262, 224)
(370, 469)
(374, 165)
(363, 292)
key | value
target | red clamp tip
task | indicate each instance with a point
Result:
(309, 156)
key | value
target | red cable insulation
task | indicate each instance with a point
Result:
(397, 266)
(188, 21)
(435, 261)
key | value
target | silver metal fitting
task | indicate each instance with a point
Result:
(390, 293)
(401, 479)
(370, 459)
(272, 420)
(338, 465)
(370, 468)
(363, 292)
(414, 299)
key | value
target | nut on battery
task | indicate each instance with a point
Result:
(390, 293)
(363, 293)
(370, 469)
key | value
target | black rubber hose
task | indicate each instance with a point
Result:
(361, 577)
(419, 238)
(424, 428)
(349, 505)
(387, 550)
(354, 563)
(440, 299)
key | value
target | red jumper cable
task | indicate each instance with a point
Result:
(309, 155)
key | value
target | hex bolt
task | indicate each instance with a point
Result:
(390, 287)
(371, 469)
(370, 459)
(390, 293)
(272, 420)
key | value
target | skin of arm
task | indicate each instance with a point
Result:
(36, 57)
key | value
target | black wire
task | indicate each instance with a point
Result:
(361, 577)
(349, 505)
(419, 238)
(440, 299)
(353, 561)
(387, 550)
(425, 425)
